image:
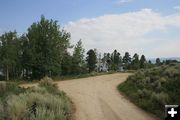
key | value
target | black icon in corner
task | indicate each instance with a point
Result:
(172, 112)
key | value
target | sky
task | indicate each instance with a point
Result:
(149, 27)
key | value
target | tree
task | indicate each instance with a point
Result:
(48, 44)
(91, 60)
(109, 61)
(116, 60)
(142, 62)
(78, 63)
(99, 62)
(127, 60)
(9, 52)
(135, 62)
(149, 62)
(158, 61)
(66, 65)
(25, 57)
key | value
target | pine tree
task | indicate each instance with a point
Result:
(135, 62)
(109, 61)
(78, 63)
(158, 61)
(91, 60)
(116, 60)
(127, 60)
(142, 62)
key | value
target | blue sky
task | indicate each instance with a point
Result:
(20, 14)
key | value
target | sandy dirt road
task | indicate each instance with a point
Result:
(97, 98)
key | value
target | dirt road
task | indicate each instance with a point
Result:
(97, 98)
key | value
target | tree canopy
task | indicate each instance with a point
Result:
(48, 44)
(91, 60)
(45, 50)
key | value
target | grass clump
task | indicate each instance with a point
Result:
(43, 102)
(48, 106)
(48, 84)
(8, 88)
(153, 88)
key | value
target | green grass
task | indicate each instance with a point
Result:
(153, 88)
(50, 103)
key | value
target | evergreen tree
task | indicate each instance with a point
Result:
(149, 62)
(91, 60)
(158, 61)
(127, 60)
(142, 62)
(109, 61)
(78, 63)
(116, 60)
(135, 62)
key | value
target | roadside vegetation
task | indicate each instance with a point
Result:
(153, 88)
(43, 102)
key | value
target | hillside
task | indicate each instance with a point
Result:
(152, 88)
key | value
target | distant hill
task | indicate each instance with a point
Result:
(153, 60)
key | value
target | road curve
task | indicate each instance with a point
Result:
(97, 98)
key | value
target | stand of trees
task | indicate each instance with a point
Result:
(43, 50)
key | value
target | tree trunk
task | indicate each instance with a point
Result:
(7, 73)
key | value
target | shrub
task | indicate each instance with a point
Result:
(48, 84)
(152, 88)
(46, 81)
(48, 106)
(162, 98)
(170, 72)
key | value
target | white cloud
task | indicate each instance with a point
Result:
(177, 7)
(125, 32)
(120, 2)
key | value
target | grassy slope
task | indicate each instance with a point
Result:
(16, 103)
(152, 88)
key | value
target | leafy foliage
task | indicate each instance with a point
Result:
(48, 44)
(9, 53)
